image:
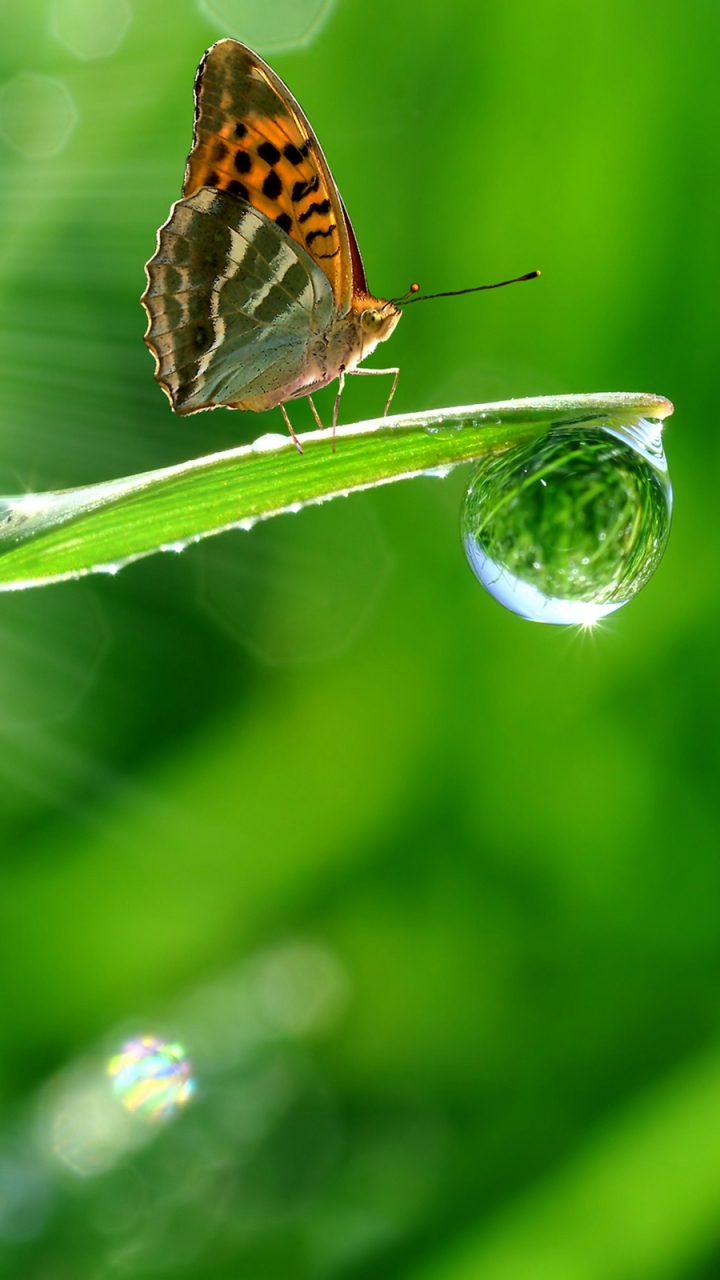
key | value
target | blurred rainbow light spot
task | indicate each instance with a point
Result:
(152, 1079)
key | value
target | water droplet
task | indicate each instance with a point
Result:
(270, 441)
(568, 528)
(151, 1079)
(37, 115)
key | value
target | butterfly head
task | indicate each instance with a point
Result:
(378, 319)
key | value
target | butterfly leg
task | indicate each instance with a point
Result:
(288, 424)
(316, 415)
(372, 372)
(341, 384)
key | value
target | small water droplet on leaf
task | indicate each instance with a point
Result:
(269, 442)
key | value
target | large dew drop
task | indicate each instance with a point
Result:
(569, 527)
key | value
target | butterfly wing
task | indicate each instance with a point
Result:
(253, 140)
(234, 307)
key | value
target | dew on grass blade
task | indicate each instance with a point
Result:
(568, 528)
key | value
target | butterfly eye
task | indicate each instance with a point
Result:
(371, 320)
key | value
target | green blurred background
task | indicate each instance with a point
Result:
(505, 838)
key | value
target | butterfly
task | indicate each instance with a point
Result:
(257, 294)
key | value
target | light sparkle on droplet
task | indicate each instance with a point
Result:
(151, 1077)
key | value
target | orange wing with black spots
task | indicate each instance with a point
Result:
(253, 140)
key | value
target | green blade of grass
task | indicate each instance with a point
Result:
(641, 1201)
(98, 528)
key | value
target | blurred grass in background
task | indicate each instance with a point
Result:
(504, 837)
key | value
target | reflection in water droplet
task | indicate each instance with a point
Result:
(91, 28)
(37, 115)
(151, 1078)
(284, 24)
(568, 528)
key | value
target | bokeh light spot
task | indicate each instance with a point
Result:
(89, 1129)
(300, 988)
(285, 24)
(301, 589)
(151, 1078)
(91, 28)
(24, 1200)
(37, 115)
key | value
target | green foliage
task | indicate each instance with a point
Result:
(506, 835)
(47, 537)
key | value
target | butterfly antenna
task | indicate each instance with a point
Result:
(455, 293)
(414, 288)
